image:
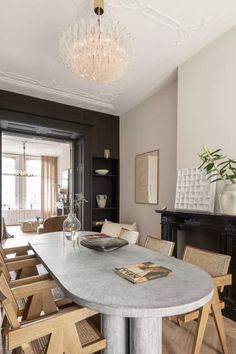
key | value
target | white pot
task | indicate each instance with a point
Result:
(228, 199)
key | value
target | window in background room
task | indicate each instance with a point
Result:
(9, 195)
(33, 184)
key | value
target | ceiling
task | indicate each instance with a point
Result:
(12, 144)
(166, 33)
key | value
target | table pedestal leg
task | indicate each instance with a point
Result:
(146, 336)
(116, 332)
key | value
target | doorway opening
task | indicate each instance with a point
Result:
(37, 182)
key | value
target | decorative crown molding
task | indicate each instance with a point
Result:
(103, 99)
(182, 32)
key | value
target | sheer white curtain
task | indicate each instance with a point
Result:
(48, 186)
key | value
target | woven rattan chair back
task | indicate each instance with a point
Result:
(215, 264)
(129, 236)
(162, 246)
(53, 224)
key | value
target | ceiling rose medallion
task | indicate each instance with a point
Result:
(96, 47)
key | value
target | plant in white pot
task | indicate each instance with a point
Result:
(221, 168)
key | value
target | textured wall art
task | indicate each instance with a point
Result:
(194, 191)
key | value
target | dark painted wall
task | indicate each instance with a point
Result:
(105, 127)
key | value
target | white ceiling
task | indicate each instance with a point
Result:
(34, 146)
(166, 33)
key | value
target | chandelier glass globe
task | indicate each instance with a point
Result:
(97, 49)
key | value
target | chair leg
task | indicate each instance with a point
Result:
(72, 342)
(218, 318)
(32, 308)
(201, 326)
(55, 344)
(5, 326)
(48, 303)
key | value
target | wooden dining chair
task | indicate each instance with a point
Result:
(129, 236)
(217, 266)
(68, 331)
(42, 301)
(162, 246)
(15, 251)
(20, 266)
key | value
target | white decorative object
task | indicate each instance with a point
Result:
(107, 154)
(102, 172)
(95, 48)
(194, 191)
(228, 199)
(101, 200)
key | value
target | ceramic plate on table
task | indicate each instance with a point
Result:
(103, 244)
(102, 172)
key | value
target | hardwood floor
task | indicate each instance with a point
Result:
(179, 340)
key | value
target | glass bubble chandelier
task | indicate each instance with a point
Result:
(96, 48)
(23, 172)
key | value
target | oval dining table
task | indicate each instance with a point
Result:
(131, 313)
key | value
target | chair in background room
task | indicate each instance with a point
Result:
(162, 246)
(52, 224)
(113, 229)
(68, 330)
(129, 236)
(217, 266)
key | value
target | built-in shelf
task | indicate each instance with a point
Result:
(108, 175)
(112, 208)
(105, 185)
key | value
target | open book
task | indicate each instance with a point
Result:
(139, 273)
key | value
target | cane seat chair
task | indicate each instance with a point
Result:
(68, 331)
(217, 266)
(162, 246)
(52, 224)
(129, 236)
(49, 293)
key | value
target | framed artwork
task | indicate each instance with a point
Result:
(147, 177)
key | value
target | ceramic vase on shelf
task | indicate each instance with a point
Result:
(228, 199)
(101, 200)
(71, 227)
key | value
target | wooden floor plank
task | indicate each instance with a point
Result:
(179, 340)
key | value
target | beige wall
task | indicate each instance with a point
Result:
(149, 126)
(207, 101)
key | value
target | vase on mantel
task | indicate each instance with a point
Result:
(228, 199)
(71, 227)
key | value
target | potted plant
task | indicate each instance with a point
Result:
(221, 168)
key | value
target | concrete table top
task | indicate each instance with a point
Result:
(87, 277)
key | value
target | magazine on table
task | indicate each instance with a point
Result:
(139, 273)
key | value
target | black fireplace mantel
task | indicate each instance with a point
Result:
(221, 227)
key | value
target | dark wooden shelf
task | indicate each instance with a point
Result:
(108, 175)
(111, 208)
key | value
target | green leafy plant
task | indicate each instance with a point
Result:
(217, 166)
